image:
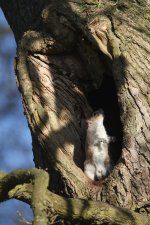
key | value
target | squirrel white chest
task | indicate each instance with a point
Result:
(100, 153)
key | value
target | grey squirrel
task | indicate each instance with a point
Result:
(98, 163)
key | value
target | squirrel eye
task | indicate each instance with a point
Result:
(94, 113)
(98, 112)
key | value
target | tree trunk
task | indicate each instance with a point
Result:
(74, 57)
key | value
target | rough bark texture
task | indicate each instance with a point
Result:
(131, 180)
(68, 50)
(31, 186)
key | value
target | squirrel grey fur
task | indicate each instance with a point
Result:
(98, 163)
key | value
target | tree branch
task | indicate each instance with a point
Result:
(40, 181)
(57, 206)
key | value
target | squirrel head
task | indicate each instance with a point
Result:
(97, 115)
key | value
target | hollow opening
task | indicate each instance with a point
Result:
(106, 98)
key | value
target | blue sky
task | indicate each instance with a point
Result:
(15, 138)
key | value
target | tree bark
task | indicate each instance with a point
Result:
(34, 191)
(130, 182)
(67, 50)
